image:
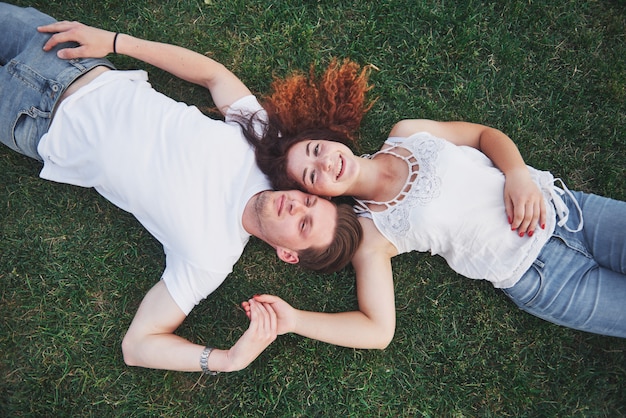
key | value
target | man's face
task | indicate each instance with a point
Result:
(294, 220)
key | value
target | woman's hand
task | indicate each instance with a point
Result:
(525, 206)
(93, 42)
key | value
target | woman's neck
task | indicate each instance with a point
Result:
(380, 178)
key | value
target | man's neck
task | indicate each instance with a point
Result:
(249, 218)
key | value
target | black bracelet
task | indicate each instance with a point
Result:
(114, 43)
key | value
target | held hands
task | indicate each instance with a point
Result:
(259, 335)
(285, 314)
(93, 42)
(525, 206)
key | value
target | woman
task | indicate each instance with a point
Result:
(455, 189)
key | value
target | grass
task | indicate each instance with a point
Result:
(73, 268)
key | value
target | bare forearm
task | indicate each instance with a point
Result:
(348, 329)
(524, 203)
(183, 63)
(171, 352)
(225, 87)
(501, 150)
(166, 351)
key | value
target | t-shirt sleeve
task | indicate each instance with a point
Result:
(248, 107)
(187, 284)
(247, 104)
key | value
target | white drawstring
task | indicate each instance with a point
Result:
(562, 211)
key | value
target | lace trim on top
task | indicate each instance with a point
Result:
(422, 183)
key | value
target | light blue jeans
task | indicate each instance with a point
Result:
(31, 80)
(579, 278)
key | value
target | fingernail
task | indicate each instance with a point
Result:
(521, 234)
(543, 226)
(530, 233)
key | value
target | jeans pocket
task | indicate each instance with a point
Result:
(528, 288)
(28, 129)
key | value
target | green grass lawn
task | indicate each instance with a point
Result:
(73, 268)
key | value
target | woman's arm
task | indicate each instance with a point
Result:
(373, 325)
(525, 206)
(224, 86)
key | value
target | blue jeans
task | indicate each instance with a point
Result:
(31, 80)
(579, 278)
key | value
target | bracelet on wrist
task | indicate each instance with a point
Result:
(115, 43)
(204, 361)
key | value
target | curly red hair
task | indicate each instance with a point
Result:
(335, 101)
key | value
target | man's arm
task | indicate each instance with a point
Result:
(224, 86)
(150, 340)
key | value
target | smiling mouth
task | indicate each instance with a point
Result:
(341, 165)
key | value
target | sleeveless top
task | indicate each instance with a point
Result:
(452, 205)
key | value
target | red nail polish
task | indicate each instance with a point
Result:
(521, 234)
(530, 233)
(543, 226)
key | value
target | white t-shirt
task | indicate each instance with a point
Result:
(183, 175)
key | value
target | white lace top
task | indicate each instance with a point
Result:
(452, 205)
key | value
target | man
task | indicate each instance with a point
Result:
(190, 180)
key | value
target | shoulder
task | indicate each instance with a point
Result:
(245, 104)
(408, 127)
(374, 244)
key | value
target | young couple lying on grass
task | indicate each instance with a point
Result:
(456, 189)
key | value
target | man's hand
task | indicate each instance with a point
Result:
(525, 206)
(261, 333)
(93, 42)
(196, 68)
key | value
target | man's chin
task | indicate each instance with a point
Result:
(261, 210)
(261, 201)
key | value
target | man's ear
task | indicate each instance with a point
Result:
(288, 256)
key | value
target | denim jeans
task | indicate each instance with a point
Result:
(579, 278)
(31, 80)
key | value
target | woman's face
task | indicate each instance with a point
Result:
(324, 168)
